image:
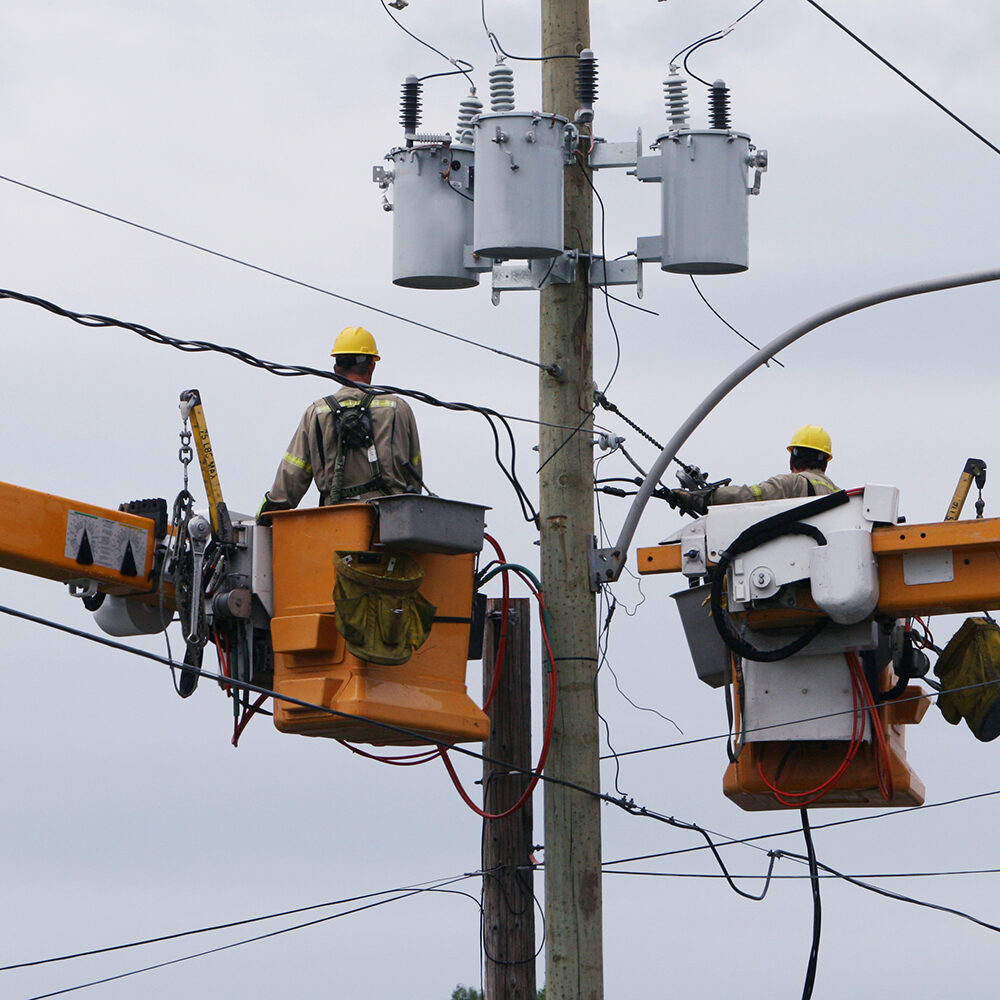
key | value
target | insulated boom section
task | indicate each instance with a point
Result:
(62, 539)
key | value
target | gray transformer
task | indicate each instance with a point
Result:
(520, 160)
(704, 201)
(432, 217)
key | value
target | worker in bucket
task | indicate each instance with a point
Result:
(355, 444)
(809, 452)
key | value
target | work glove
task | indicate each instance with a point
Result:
(267, 505)
(687, 502)
(972, 657)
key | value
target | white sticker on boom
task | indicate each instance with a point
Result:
(98, 541)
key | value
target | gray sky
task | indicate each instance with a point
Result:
(252, 128)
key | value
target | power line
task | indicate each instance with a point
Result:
(271, 273)
(916, 86)
(623, 803)
(801, 878)
(454, 62)
(433, 883)
(726, 322)
(752, 841)
(251, 940)
(626, 804)
(889, 894)
(91, 320)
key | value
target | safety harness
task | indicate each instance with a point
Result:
(352, 429)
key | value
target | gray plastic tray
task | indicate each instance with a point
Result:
(429, 524)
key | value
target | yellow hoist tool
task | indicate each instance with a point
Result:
(974, 471)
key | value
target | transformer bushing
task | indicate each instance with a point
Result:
(432, 217)
(704, 201)
(520, 159)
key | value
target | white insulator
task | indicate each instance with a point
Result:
(501, 88)
(676, 100)
(431, 138)
(468, 110)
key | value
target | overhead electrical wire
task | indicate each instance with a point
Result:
(454, 62)
(714, 36)
(604, 263)
(251, 940)
(627, 805)
(751, 841)
(286, 371)
(916, 86)
(802, 878)
(228, 925)
(499, 50)
(889, 894)
(723, 320)
(273, 274)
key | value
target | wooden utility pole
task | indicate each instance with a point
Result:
(508, 885)
(574, 968)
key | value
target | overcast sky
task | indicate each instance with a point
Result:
(251, 128)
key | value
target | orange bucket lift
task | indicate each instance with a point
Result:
(425, 698)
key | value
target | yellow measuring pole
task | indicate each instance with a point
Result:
(192, 409)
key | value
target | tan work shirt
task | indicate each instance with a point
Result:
(781, 487)
(312, 453)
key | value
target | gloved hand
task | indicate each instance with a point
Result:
(687, 502)
(268, 505)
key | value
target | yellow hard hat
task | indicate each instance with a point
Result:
(355, 340)
(813, 437)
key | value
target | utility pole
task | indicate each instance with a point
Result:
(574, 966)
(508, 887)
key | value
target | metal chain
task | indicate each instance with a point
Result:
(185, 453)
(603, 401)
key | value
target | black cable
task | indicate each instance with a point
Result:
(807, 988)
(449, 72)
(604, 264)
(784, 523)
(626, 805)
(454, 62)
(726, 322)
(751, 841)
(715, 36)
(289, 371)
(237, 944)
(602, 648)
(230, 924)
(273, 274)
(800, 878)
(498, 49)
(631, 305)
(889, 894)
(843, 27)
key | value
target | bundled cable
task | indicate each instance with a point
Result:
(291, 371)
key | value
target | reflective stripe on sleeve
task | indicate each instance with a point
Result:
(299, 463)
(758, 493)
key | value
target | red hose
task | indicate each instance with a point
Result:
(546, 741)
(247, 716)
(800, 800)
(404, 760)
(505, 614)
